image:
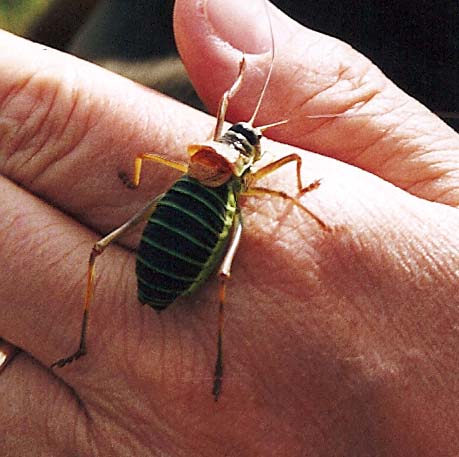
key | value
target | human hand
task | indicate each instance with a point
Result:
(341, 343)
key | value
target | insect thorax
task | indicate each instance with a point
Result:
(216, 162)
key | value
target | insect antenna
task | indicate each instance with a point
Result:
(271, 66)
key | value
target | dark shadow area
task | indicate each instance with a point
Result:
(415, 43)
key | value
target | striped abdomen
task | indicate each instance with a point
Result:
(183, 240)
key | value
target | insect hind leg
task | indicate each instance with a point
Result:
(224, 275)
(98, 248)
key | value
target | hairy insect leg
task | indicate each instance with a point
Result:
(224, 274)
(270, 168)
(223, 104)
(97, 250)
(153, 158)
(257, 191)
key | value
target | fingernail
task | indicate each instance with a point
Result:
(243, 24)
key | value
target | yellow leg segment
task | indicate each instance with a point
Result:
(153, 158)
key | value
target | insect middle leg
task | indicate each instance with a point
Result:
(98, 248)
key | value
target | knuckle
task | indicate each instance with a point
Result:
(38, 125)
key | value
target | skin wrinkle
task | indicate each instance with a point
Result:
(132, 431)
(204, 338)
(360, 156)
(27, 427)
(251, 357)
(162, 419)
(312, 323)
(11, 92)
(75, 102)
(435, 190)
(281, 426)
(354, 246)
(412, 156)
(339, 380)
(18, 241)
(16, 140)
(43, 171)
(72, 147)
(49, 436)
(40, 123)
(57, 261)
(32, 146)
(328, 122)
(40, 127)
(143, 333)
(82, 423)
(356, 85)
(125, 314)
(436, 269)
(429, 345)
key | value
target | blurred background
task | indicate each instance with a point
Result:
(415, 43)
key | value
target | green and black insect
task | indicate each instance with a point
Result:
(195, 227)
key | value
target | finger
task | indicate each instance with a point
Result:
(67, 128)
(44, 260)
(39, 416)
(42, 286)
(400, 140)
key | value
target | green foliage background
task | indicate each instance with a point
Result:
(16, 15)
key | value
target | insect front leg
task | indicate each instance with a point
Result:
(98, 248)
(153, 158)
(223, 103)
(224, 274)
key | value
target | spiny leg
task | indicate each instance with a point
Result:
(97, 250)
(256, 191)
(223, 104)
(271, 167)
(151, 157)
(224, 274)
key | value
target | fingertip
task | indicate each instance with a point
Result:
(201, 51)
(212, 36)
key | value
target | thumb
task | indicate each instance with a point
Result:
(383, 130)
